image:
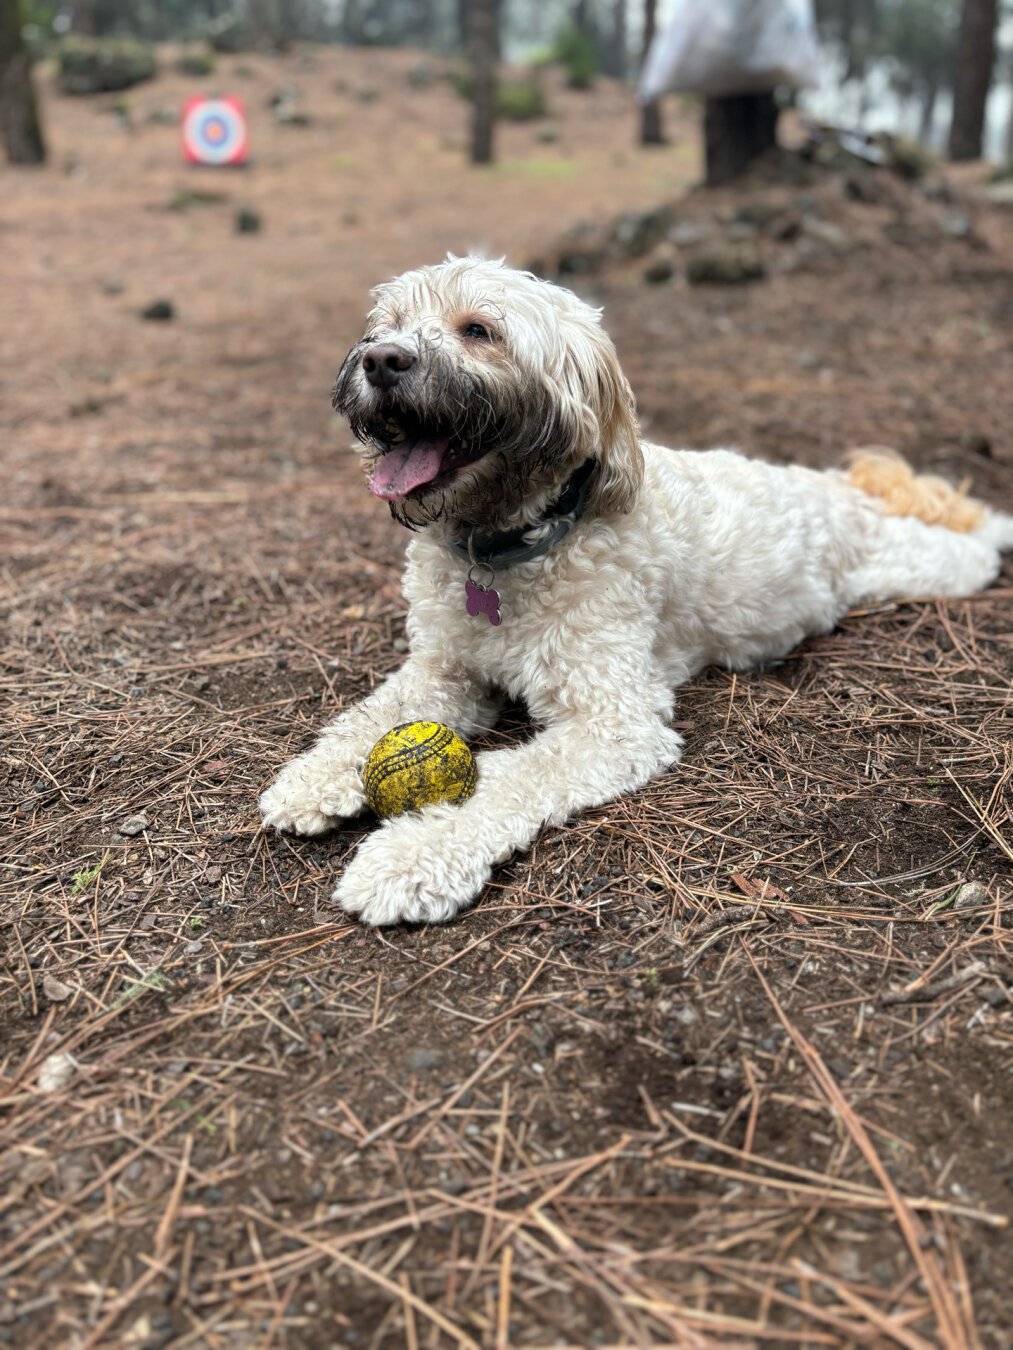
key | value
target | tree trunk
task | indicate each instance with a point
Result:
(972, 77)
(652, 131)
(20, 129)
(82, 17)
(613, 53)
(482, 49)
(582, 17)
(736, 130)
(351, 22)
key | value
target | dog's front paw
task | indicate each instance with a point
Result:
(400, 874)
(307, 799)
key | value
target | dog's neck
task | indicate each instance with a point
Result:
(508, 548)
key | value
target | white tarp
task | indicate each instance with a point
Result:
(720, 47)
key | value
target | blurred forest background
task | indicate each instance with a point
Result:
(940, 70)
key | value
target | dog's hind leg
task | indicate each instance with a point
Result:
(931, 538)
(904, 558)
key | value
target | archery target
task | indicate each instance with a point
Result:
(214, 131)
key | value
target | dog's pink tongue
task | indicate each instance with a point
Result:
(407, 467)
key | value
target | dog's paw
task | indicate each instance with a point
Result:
(306, 799)
(400, 875)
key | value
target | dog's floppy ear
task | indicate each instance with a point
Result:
(601, 413)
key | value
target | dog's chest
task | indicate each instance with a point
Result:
(524, 649)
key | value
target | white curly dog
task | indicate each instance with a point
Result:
(560, 560)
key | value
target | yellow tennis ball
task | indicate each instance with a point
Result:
(418, 764)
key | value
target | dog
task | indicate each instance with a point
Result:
(560, 560)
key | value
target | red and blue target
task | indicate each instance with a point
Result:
(214, 131)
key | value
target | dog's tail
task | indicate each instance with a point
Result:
(881, 473)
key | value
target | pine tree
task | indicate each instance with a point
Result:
(652, 131)
(972, 77)
(20, 129)
(482, 44)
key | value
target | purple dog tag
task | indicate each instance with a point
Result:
(483, 600)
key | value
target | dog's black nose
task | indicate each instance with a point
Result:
(385, 362)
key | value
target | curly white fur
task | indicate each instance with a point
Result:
(682, 559)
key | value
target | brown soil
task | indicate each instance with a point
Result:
(578, 1115)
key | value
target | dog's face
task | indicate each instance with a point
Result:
(477, 391)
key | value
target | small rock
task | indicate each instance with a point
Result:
(939, 190)
(659, 271)
(955, 224)
(159, 311)
(247, 221)
(55, 990)
(288, 115)
(56, 1072)
(970, 895)
(994, 996)
(548, 134)
(866, 187)
(758, 213)
(134, 825)
(826, 232)
(576, 261)
(420, 1059)
(636, 232)
(725, 265)
(999, 194)
(213, 875)
(741, 231)
(689, 233)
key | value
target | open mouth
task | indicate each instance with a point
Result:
(417, 458)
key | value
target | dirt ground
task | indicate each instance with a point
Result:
(726, 1062)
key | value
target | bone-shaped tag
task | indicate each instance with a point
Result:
(483, 600)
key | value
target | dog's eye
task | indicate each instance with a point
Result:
(477, 330)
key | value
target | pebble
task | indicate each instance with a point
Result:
(955, 224)
(826, 232)
(688, 233)
(727, 265)
(970, 895)
(659, 272)
(134, 825)
(160, 311)
(55, 990)
(56, 1072)
(421, 1058)
(247, 221)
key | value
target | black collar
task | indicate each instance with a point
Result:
(507, 548)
